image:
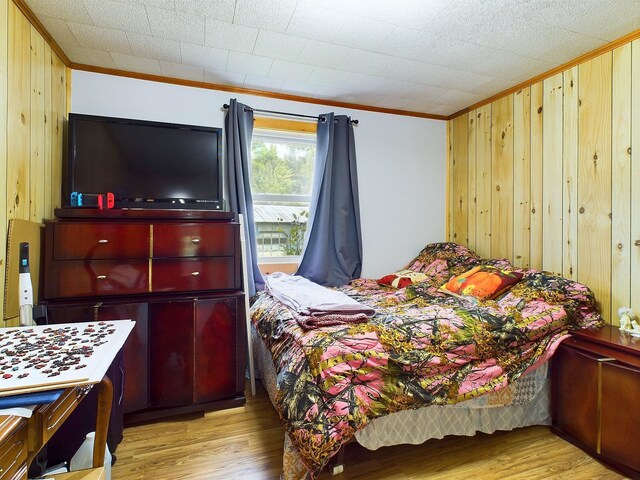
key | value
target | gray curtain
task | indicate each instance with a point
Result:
(333, 246)
(238, 128)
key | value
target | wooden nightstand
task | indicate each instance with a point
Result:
(596, 396)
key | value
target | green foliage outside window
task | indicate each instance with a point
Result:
(296, 234)
(282, 168)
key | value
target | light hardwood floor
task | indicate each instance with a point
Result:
(246, 443)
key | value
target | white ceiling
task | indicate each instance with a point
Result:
(431, 56)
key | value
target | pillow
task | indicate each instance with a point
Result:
(483, 282)
(401, 279)
(449, 254)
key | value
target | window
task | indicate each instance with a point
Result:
(272, 242)
(281, 178)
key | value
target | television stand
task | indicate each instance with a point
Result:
(144, 214)
(177, 273)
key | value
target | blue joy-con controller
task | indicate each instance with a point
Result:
(76, 199)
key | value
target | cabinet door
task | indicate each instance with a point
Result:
(620, 420)
(171, 353)
(217, 341)
(575, 394)
(71, 434)
(135, 394)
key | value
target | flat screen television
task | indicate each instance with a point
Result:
(144, 164)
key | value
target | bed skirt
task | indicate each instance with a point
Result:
(530, 405)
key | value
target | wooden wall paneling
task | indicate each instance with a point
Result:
(521, 176)
(472, 178)
(484, 181)
(502, 178)
(3, 143)
(460, 180)
(19, 114)
(48, 133)
(621, 178)
(552, 175)
(594, 179)
(635, 178)
(449, 192)
(537, 113)
(37, 147)
(58, 120)
(570, 173)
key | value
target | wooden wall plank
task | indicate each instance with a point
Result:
(48, 133)
(521, 177)
(580, 129)
(449, 192)
(502, 178)
(472, 177)
(460, 175)
(33, 110)
(570, 173)
(552, 175)
(18, 116)
(535, 251)
(37, 148)
(484, 181)
(621, 178)
(58, 119)
(3, 144)
(635, 178)
(594, 179)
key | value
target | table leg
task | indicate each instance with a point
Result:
(105, 397)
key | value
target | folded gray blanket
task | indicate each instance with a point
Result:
(313, 305)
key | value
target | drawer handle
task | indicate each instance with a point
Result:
(101, 277)
(195, 240)
(103, 241)
(195, 274)
(82, 390)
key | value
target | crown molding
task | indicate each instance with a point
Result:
(250, 91)
(554, 71)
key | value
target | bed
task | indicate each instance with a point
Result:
(425, 365)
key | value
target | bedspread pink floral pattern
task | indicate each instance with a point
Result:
(420, 348)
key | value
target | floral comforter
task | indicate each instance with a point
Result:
(421, 348)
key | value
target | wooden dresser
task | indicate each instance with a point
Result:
(596, 396)
(177, 273)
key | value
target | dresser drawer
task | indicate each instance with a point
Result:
(194, 240)
(75, 278)
(75, 241)
(53, 415)
(13, 454)
(193, 274)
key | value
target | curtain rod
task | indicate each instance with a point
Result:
(226, 106)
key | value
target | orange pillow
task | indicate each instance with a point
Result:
(483, 283)
(401, 279)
